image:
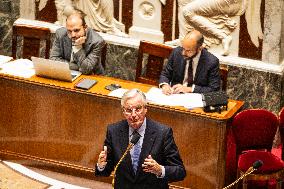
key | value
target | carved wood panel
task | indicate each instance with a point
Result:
(167, 21)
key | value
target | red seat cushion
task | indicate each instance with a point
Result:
(271, 163)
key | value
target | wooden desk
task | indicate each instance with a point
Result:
(59, 126)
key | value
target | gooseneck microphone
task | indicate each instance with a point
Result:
(257, 164)
(135, 138)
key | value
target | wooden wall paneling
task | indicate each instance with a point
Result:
(127, 14)
(167, 20)
(54, 122)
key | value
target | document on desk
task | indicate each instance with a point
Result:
(5, 59)
(20, 67)
(187, 100)
(118, 92)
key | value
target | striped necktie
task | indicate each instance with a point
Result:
(136, 154)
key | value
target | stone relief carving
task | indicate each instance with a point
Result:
(99, 14)
(147, 10)
(163, 2)
(64, 8)
(214, 19)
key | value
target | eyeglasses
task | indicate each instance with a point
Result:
(77, 30)
(129, 111)
(188, 50)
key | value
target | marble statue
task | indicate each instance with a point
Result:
(99, 14)
(27, 8)
(64, 9)
(214, 19)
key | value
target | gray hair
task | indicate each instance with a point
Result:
(131, 94)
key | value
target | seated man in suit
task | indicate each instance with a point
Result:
(153, 161)
(190, 68)
(78, 45)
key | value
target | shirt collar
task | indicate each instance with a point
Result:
(196, 58)
(141, 129)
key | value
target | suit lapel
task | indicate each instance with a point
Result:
(88, 43)
(182, 64)
(124, 141)
(67, 47)
(199, 65)
(148, 141)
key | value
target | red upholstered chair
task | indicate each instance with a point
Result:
(281, 129)
(254, 132)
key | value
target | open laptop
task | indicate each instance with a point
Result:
(54, 69)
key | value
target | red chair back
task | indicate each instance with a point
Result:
(281, 129)
(254, 129)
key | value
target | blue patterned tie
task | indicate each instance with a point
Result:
(136, 154)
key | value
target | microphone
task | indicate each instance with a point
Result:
(135, 138)
(256, 165)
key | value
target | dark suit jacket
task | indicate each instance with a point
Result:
(158, 141)
(87, 60)
(207, 76)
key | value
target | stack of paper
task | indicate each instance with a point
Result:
(5, 59)
(20, 67)
(187, 100)
(156, 96)
(118, 92)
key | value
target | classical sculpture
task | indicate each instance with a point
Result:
(147, 9)
(64, 8)
(214, 19)
(27, 8)
(99, 14)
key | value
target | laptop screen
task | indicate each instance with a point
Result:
(54, 69)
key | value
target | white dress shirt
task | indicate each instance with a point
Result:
(194, 66)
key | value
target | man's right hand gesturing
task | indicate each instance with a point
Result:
(102, 161)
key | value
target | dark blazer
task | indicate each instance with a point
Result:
(87, 60)
(158, 141)
(207, 76)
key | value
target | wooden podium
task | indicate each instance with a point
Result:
(50, 124)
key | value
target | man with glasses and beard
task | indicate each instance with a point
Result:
(152, 162)
(78, 45)
(191, 68)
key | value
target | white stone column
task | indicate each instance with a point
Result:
(27, 9)
(147, 20)
(282, 37)
(273, 31)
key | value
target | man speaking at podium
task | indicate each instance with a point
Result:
(152, 162)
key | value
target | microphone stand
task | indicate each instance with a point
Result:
(130, 145)
(249, 171)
